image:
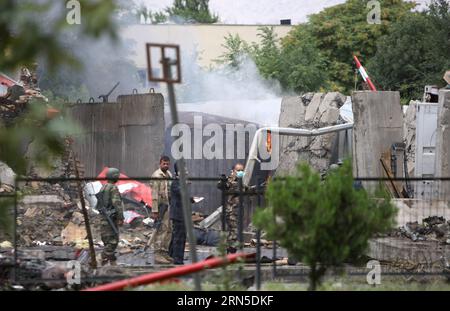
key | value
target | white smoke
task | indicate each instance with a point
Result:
(104, 61)
(225, 83)
(239, 94)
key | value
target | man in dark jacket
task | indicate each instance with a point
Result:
(178, 240)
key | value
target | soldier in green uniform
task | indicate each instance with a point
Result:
(231, 206)
(112, 208)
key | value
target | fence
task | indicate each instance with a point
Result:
(419, 244)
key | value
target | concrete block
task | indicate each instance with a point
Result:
(329, 117)
(313, 107)
(443, 142)
(292, 111)
(7, 175)
(42, 200)
(378, 123)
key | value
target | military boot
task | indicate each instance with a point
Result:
(162, 259)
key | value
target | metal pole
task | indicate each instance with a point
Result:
(258, 244)
(14, 274)
(274, 258)
(240, 224)
(240, 217)
(187, 212)
(86, 217)
(223, 180)
(171, 273)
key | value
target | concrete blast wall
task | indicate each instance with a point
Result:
(310, 111)
(128, 134)
(443, 142)
(378, 123)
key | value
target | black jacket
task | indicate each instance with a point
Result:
(176, 206)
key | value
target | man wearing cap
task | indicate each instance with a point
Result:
(112, 204)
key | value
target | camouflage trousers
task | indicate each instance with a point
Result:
(231, 215)
(160, 239)
(110, 240)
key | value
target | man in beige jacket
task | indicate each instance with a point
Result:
(160, 238)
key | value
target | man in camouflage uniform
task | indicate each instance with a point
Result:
(114, 206)
(232, 205)
(160, 239)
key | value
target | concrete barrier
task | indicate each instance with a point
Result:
(378, 123)
(443, 142)
(128, 134)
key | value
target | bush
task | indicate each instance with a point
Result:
(323, 223)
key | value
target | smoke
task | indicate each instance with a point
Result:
(234, 93)
(240, 94)
(226, 83)
(104, 62)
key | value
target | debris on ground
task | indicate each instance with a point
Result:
(432, 228)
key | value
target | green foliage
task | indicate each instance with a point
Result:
(323, 223)
(27, 35)
(405, 52)
(304, 68)
(154, 17)
(415, 53)
(34, 126)
(192, 11)
(342, 30)
(267, 54)
(297, 68)
(235, 50)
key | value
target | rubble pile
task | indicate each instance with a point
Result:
(310, 111)
(433, 228)
(41, 218)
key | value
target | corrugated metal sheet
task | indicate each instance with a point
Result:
(204, 167)
(127, 134)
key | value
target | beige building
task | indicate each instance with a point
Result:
(206, 40)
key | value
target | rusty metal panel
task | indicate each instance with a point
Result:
(128, 134)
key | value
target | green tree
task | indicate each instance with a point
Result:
(304, 68)
(192, 11)
(299, 68)
(415, 53)
(235, 50)
(323, 223)
(342, 30)
(30, 31)
(149, 15)
(267, 54)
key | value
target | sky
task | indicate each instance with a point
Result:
(259, 11)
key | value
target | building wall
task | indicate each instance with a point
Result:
(207, 40)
